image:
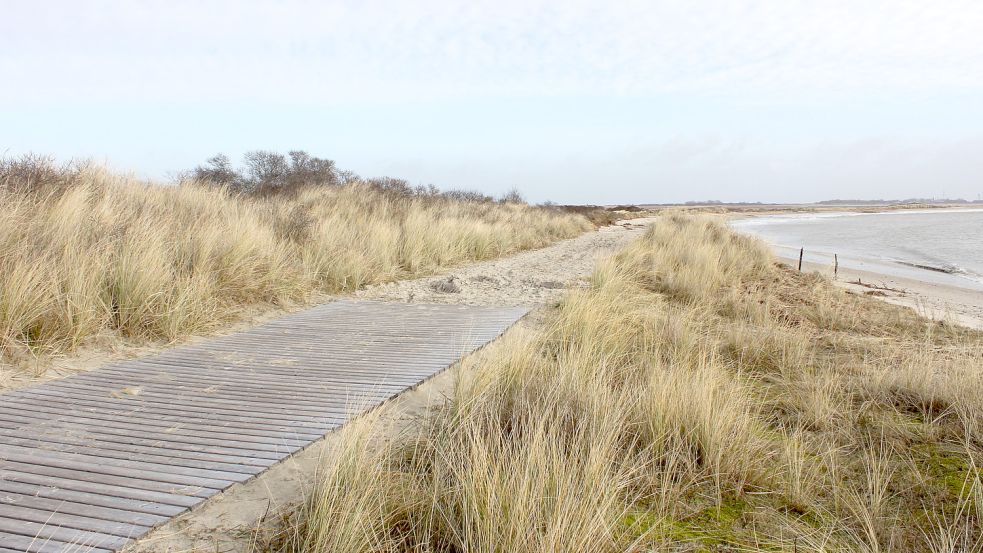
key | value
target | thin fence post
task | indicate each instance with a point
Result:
(836, 266)
(801, 251)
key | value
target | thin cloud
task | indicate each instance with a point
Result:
(341, 51)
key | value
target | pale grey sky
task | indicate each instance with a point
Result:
(574, 101)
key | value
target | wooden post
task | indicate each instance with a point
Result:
(801, 251)
(836, 265)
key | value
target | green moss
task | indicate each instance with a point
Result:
(709, 529)
(947, 470)
(725, 514)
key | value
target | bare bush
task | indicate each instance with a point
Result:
(392, 185)
(37, 173)
(265, 172)
(218, 170)
(308, 170)
(269, 173)
(513, 196)
(473, 196)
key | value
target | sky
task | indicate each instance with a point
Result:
(569, 101)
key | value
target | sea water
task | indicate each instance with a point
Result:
(933, 245)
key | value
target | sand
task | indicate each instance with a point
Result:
(530, 278)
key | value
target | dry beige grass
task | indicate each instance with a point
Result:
(87, 254)
(696, 397)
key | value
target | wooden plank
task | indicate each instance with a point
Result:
(114, 467)
(56, 414)
(80, 474)
(300, 371)
(202, 406)
(302, 378)
(266, 401)
(121, 430)
(184, 397)
(110, 450)
(31, 523)
(52, 491)
(281, 412)
(80, 419)
(313, 356)
(33, 544)
(262, 458)
(80, 509)
(67, 410)
(26, 513)
(99, 485)
(197, 412)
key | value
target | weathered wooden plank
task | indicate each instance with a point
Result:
(77, 419)
(297, 368)
(302, 378)
(67, 410)
(28, 513)
(21, 543)
(313, 356)
(110, 450)
(100, 485)
(52, 491)
(276, 412)
(266, 401)
(115, 430)
(114, 467)
(79, 473)
(261, 458)
(31, 523)
(81, 509)
(197, 412)
(183, 397)
(204, 407)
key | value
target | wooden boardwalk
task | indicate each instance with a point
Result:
(95, 460)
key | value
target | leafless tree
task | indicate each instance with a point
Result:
(308, 170)
(513, 196)
(218, 170)
(266, 172)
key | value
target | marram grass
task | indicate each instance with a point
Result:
(98, 254)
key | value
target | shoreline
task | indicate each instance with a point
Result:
(926, 294)
(937, 301)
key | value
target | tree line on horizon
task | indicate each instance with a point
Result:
(265, 172)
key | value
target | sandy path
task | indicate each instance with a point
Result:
(529, 278)
(226, 522)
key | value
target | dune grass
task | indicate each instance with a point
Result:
(695, 397)
(88, 255)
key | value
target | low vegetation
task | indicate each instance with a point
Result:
(696, 396)
(88, 255)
